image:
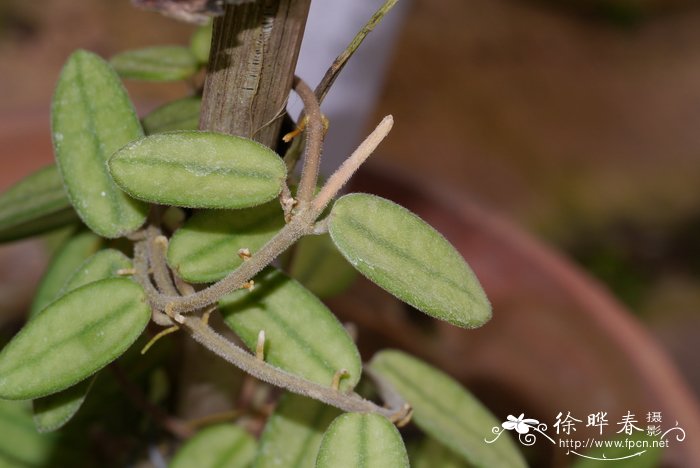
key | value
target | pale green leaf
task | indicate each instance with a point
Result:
(293, 433)
(401, 253)
(54, 411)
(319, 266)
(159, 63)
(430, 454)
(182, 114)
(366, 440)
(446, 411)
(220, 446)
(102, 265)
(301, 335)
(72, 253)
(206, 247)
(200, 42)
(20, 444)
(199, 170)
(73, 338)
(35, 205)
(92, 117)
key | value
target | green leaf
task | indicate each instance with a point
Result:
(102, 265)
(293, 433)
(200, 42)
(159, 63)
(54, 411)
(431, 453)
(35, 205)
(301, 335)
(64, 263)
(319, 266)
(401, 253)
(72, 338)
(20, 444)
(206, 247)
(220, 446)
(91, 117)
(199, 170)
(446, 411)
(366, 440)
(182, 114)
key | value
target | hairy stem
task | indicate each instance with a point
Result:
(314, 141)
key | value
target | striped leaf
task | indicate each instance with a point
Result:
(206, 248)
(159, 63)
(199, 170)
(446, 411)
(91, 117)
(401, 253)
(182, 114)
(301, 335)
(53, 411)
(35, 205)
(366, 440)
(431, 453)
(67, 259)
(293, 433)
(319, 266)
(73, 338)
(220, 446)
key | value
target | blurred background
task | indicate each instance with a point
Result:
(575, 122)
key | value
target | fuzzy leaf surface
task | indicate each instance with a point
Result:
(366, 440)
(35, 205)
(67, 259)
(159, 63)
(319, 266)
(182, 114)
(219, 446)
(53, 411)
(302, 336)
(293, 433)
(91, 117)
(199, 170)
(407, 257)
(446, 411)
(72, 338)
(206, 248)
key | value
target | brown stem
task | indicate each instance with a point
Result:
(314, 141)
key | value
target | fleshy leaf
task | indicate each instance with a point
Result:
(223, 445)
(301, 335)
(319, 266)
(73, 338)
(446, 411)
(54, 411)
(200, 42)
(159, 63)
(401, 253)
(91, 117)
(293, 433)
(20, 444)
(366, 440)
(206, 247)
(102, 265)
(431, 453)
(35, 205)
(182, 114)
(199, 170)
(72, 253)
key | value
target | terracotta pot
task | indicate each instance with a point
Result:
(558, 340)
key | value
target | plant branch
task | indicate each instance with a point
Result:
(301, 224)
(314, 141)
(339, 63)
(275, 376)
